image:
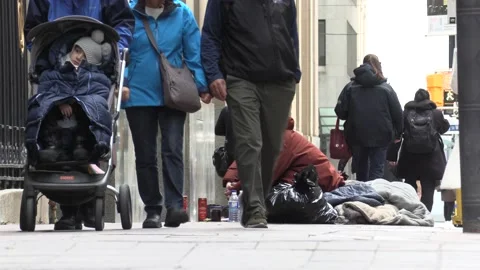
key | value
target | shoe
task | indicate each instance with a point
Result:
(87, 215)
(175, 217)
(256, 220)
(80, 153)
(153, 221)
(67, 223)
(49, 155)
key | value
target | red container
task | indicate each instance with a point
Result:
(202, 209)
(185, 203)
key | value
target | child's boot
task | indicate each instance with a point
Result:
(50, 152)
(80, 152)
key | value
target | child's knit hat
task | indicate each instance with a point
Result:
(95, 51)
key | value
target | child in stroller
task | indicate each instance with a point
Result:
(70, 112)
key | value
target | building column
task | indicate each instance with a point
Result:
(305, 104)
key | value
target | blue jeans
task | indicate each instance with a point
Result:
(369, 162)
(144, 123)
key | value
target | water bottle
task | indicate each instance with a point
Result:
(233, 207)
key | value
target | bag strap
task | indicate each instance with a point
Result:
(150, 36)
(337, 125)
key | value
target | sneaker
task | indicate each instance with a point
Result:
(175, 217)
(153, 221)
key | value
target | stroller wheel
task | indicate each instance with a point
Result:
(125, 207)
(28, 213)
(99, 223)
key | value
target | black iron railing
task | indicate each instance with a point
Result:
(13, 97)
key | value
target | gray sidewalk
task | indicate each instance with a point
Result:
(228, 246)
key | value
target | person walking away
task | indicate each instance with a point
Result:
(422, 156)
(373, 117)
(251, 49)
(115, 13)
(178, 37)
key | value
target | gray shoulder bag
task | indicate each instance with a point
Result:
(179, 89)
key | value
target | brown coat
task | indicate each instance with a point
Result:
(297, 153)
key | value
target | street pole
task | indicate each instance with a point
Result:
(468, 56)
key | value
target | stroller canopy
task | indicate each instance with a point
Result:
(44, 34)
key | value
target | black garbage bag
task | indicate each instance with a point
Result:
(300, 203)
(221, 161)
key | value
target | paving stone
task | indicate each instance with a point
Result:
(228, 246)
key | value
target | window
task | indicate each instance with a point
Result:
(322, 42)
(351, 49)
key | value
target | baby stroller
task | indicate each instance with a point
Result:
(74, 187)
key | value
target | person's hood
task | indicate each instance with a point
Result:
(291, 123)
(365, 76)
(421, 105)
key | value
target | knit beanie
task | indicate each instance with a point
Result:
(94, 50)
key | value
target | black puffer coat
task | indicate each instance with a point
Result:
(429, 166)
(371, 109)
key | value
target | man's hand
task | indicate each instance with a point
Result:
(206, 98)
(218, 88)
(397, 140)
(228, 189)
(66, 110)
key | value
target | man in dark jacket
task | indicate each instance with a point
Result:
(115, 13)
(373, 117)
(251, 49)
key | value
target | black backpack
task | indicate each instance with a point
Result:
(420, 136)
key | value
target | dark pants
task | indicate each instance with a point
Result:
(448, 210)
(428, 191)
(144, 122)
(369, 162)
(259, 114)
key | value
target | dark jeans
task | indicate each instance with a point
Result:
(259, 114)
(369, 162)
(428, 191)
(144, 122)
(448, 210)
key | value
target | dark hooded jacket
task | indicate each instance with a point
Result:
(371, 109)
(429, 166)
(59, 84)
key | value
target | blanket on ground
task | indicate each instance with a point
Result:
(354, 191)
(402, 207)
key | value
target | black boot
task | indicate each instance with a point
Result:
(87, 213)
(153, 220)
(80, 152)
(175, 217)
(69, 219)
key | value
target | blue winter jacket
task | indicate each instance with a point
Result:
(89, 87)
(115, 13)
(178, 36)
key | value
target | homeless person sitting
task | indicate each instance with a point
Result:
(297, 153)
(69, 113)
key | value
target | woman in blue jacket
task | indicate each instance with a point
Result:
(178, 37)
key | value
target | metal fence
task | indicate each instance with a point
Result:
(13, 96)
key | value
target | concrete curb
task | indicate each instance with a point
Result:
(10, 200)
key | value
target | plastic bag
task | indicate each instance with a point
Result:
(220, 161)
(301, 203)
